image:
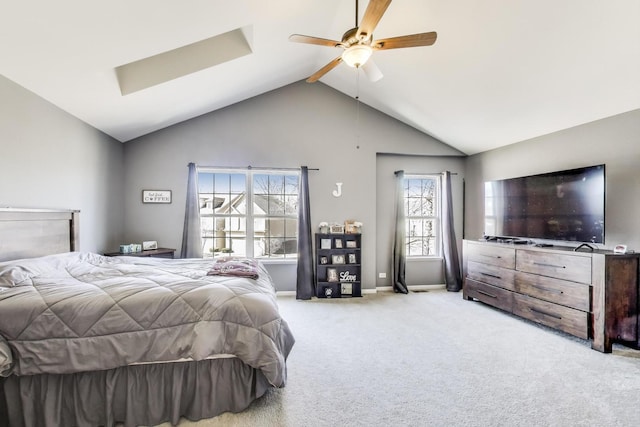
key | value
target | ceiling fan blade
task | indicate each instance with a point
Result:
(324, 70)
(299, 38)
(372, 71)
(372, 15)
(413, 40)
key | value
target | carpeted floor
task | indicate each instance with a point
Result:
(433, 359)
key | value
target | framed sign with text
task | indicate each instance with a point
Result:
(156, 196)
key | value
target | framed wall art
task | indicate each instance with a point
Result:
(156, 196)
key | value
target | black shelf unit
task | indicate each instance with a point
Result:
(338, 265)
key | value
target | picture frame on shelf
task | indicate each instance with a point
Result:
(351, 244)
(324, 260)
(349, 227)
(325, 243)
(332, 275)
(149, 245)
(336, 229)
(346, 289)
(337, 259)
(352, 259)
(338, 243)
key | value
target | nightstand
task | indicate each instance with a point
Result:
(155, 253)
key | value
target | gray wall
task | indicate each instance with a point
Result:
(614, 141)
(299, 124)
(50, 159)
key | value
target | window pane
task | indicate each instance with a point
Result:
(221, 183)
(291, 185)
(260, 184)
(205, 182)
(414, 188)
(237, 183)
(291, 205)
(276, 204)
(276, 184)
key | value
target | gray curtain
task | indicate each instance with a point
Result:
(305, 282)
(399, 251)
(191, 237)
(452, 275)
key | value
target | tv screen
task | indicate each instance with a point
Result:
(566, 205)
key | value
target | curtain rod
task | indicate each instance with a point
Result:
(422, 173)
(253, 167)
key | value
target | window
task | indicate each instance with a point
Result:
(265, 228)
(422, 213)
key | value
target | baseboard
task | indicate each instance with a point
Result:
(286, 293)
(412, 288)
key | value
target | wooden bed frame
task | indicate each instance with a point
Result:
(29, 233)
(108, 397)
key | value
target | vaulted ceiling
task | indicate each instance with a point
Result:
(501, 71)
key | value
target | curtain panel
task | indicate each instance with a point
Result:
(191, 234)
(399, 250)
(305, 280)
(452, 274)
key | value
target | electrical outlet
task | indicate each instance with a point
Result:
(382, 275)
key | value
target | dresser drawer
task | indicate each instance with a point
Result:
(487, 253)
(569, 320)
(497, 297)
(563, 292)
(497, 276)
(562, 266)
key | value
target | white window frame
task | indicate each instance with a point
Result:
(437, 218)
(250, 216)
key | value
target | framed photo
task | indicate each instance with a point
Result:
(325, 243)
(336, 229)
(149, 245)
(156, 196)
(324, 260)
(352, 259)
(349, 227)
(351, 244)
(337, 259)
(332, 275)
(346, 288)
(338, 243)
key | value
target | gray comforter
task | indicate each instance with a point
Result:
(80, 312)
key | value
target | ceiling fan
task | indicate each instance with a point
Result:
(358, 42)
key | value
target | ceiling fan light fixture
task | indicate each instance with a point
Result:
(357, 55)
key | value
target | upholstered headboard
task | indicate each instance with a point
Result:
(28, 233)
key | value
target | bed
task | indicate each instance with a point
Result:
(92, 340)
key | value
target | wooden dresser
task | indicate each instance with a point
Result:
(592, 295)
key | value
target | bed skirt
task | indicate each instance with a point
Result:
(132, 395)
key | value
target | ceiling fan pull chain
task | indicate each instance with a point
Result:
(357, 107)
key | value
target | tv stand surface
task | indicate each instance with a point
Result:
(591, 295)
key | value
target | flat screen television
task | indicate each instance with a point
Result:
(563, 206)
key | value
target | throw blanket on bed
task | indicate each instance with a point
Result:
(235, 267)
(79, 312)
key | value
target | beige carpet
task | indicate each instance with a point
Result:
(433, 359)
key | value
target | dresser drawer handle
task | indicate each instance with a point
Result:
(555, 316)
(550, 290)
(491, 275)
(487, 294)
(491, 256)
(542, 264)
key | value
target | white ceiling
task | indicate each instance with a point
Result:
(501, 71)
